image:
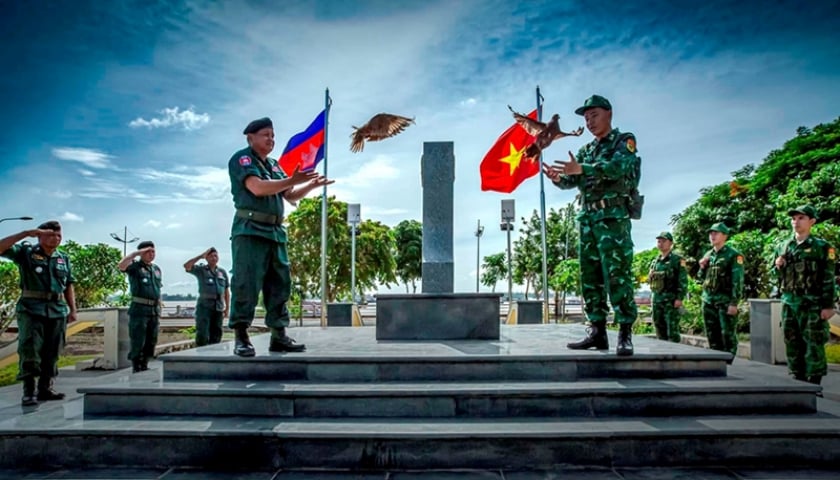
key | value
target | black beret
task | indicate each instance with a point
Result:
(50, 225)
(212, 250)
(144, 244)
(258, 125)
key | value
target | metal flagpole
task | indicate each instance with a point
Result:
(542, 217)
(327, 105)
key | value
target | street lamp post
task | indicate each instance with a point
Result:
(508, 215)
(15, 218)
(354, 217)
(124, 240)
(479, 230)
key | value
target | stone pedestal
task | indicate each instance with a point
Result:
(428, 316)
(767, 343)
(529, 312)
(437, 170)
(340, 315)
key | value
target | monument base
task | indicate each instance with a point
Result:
(438, 316)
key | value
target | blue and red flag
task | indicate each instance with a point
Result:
(306, 148)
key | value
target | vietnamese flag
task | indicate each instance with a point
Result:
(505, 166)
(306, 148)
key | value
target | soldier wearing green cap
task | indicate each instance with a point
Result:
(722, 275)
(144, 281)
(668, 281)
(258, 237)
(213, 301)
(804, 267)
(46, 303)
(606, 172)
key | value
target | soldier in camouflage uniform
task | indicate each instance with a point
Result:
(47, 302)
(804, 266)
(722, 275)
(258, 237)
(144, 281)
(606, 172)
(668, 282)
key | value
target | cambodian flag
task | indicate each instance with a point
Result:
(306, 148)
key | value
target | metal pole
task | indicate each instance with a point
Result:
(327, 104)
(353, 262)
(478, 231)
(509, 269)
(125, 240)
(542, 213)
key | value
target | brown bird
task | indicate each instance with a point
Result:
(381, 126)
(544, 133)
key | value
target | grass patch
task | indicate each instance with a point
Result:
(8, 375)
(832, 353)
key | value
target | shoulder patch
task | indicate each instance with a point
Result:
(631, 145)
(831, 253)
(740, 259)
(245, 160)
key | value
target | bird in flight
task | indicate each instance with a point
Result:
(544, 133)
(379, 127)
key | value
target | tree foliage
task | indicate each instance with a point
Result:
(641, 265)
(408, 236)
(9, 293)
(494, 270)
(375, 247)
(95, 271)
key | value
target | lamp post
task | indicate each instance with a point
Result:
(124, 240)
(354, 218)
(479, 230)
(15, 218)
(508, 215)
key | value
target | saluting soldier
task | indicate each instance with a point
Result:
(213, 296)
(258, 237)
(668, 281)
(805, 266)
(144, 280)
(46, 303)
(722, 274)
(606, 171)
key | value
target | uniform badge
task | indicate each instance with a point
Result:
(38, 269)
(740, 260)
(245, 160)
(35, 256)
(631, 145)
(59, 261)
(275, 168)
(831, 254)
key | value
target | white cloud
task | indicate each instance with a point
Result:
(87, 156)
(87, 173)
(72, 217)
(61, 194)
(152, 223)
(173, 117)
(172, 226)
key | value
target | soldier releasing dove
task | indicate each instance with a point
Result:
(545, 133)
(381, 126)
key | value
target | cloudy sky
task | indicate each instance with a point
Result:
(125, 113)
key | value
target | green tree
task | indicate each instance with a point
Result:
(375, 247)
(9, 294)
(408, 236)
(494, 270)
(95, 271)
(566, 279)
(527, 255)
(641, 265)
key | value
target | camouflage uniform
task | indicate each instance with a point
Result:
(669, 282)
(806, 282)
(723, 286)
(610, 172)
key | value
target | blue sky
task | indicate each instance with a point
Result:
(126, 113)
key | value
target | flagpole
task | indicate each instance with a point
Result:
(327, 105)
(542, 217)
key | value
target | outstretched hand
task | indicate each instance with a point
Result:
(320, 181)
(298, 177)
(552, 173)
(572, 167)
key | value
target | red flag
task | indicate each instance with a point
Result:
(504, 166)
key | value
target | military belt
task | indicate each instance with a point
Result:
(606, 203)
(259, 216)
(144, 301)
(209, 296)
(48, 296)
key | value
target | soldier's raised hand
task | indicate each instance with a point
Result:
(572, 167)
(297, 177)
(552, 173)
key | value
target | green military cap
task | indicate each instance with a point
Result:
(258, 125)
(720, 227)
(593, 102)
(666, 236)
(808, 210)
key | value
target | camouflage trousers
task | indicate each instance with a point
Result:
(666, 318)
(720, 327)
(805, 337)
(606, 269)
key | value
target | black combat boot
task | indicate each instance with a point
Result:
(815, 379)
(625, 340)
(144, 364)
(28, 398)
(596, 337)
(46, 392)
(242, 344)
(282, 343)
(136, 366)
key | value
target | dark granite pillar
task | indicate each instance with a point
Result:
(437, 170)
